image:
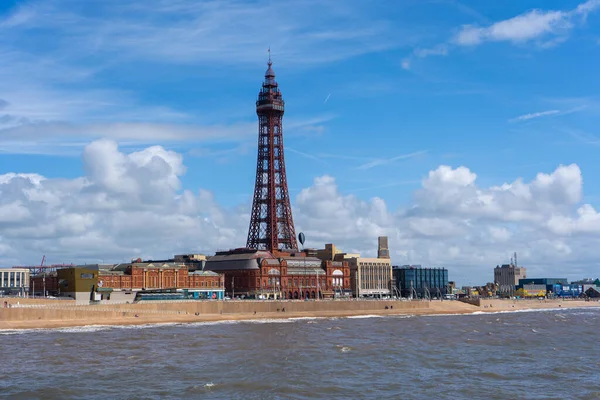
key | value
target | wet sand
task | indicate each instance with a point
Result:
(434, 308)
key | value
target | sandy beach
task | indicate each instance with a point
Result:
(48, 314)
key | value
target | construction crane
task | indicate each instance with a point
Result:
(39, 269)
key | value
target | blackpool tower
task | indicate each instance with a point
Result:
(271, 222)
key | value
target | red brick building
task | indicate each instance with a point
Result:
(262, 274)
(157, 275)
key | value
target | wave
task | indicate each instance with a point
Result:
(98, 328)
(530, 310)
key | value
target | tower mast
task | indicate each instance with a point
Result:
(271, 223)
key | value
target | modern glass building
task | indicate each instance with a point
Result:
(416, 281)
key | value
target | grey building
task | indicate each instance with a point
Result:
(507, 276)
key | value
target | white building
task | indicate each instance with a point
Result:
(14, 281)
(370, 276)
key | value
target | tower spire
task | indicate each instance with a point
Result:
(271, 223)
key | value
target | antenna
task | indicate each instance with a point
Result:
(269, 54)
(515, 258)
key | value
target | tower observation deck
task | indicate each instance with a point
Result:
(271, 223)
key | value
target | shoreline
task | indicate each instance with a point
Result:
(434, 308)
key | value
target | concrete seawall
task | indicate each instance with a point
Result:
(506, 304)
(53, 311)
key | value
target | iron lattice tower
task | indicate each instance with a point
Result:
(271, 222)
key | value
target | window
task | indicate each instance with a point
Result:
(87, 276)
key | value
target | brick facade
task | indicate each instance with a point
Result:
(148, 276)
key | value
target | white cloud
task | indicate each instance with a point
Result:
(532, 25)
(131, 204)
(526, 117)
(385, 161)
(66, 71)
(227, 31)
(439, 50)
(546, 28)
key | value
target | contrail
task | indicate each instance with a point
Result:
(327, 98)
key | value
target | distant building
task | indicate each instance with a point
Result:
(368, 276)
(43, 284)
(587, 284)
(507, 277)
(559, 287)
(332, 253)
(128, 282)
(593, 292)
(281, 275)
(123, 282)
(371, 276)
(78, 283)
(14, 281)
(416, 281)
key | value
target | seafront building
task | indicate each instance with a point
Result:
(507, 277)
(134, 281)
(414, 281)
(14, 281)
(261, 274)
(552, 287)
(369, 277)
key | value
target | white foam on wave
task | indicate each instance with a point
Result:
(530, 310)
(401, 316)
(83, 328)
(98, 328)
(240, 321)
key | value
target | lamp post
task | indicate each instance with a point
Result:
(318, 293)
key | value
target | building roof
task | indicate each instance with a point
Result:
(303, 262)
(110, 272)
(238, 260)
(306, 271)
(204, 273)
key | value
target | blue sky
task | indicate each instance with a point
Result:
(378, 94)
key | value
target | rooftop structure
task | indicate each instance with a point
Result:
(382, 247)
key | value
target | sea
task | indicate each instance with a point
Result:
(546, 354)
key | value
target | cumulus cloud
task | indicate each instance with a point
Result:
(132, 204)
(126, 205)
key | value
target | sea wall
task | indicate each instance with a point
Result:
(26, 300)
(33, 312)
(509, 304)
